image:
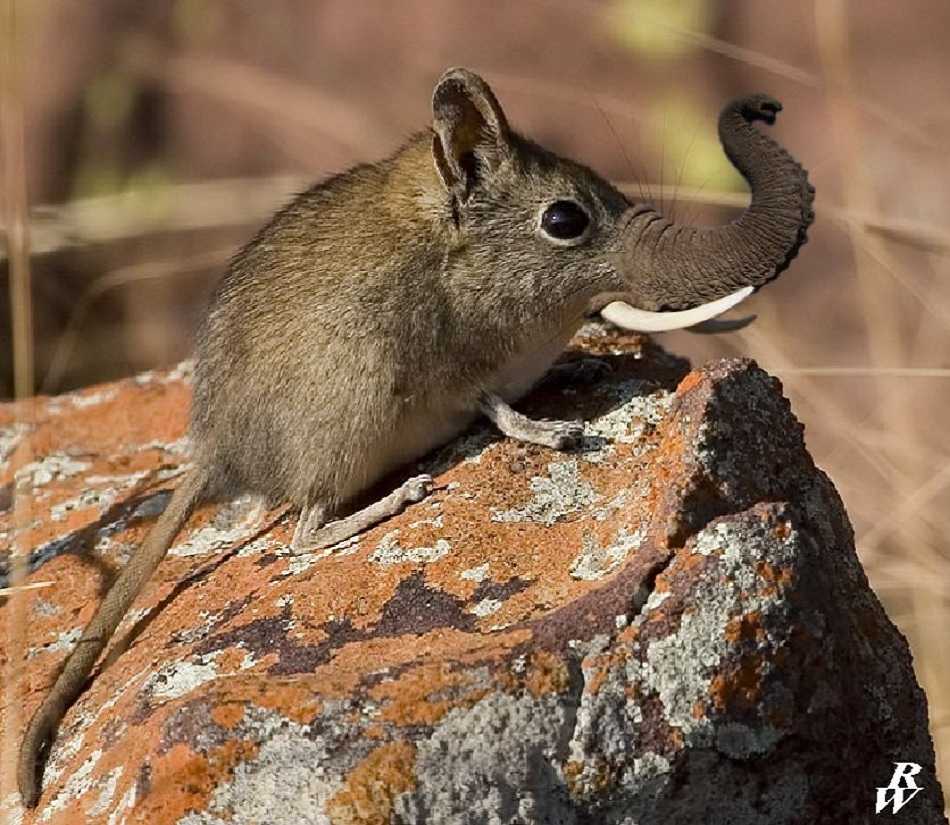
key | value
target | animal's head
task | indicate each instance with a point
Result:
(557, 221)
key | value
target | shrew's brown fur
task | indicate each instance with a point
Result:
(381, 311)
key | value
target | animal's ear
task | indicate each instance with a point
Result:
(472, 136)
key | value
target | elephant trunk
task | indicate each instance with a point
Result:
(672, 267)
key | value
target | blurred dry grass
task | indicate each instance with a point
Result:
(163, 134)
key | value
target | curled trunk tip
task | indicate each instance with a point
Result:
(675, 267)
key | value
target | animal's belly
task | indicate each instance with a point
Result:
(524, 371)
(408, 441)
(418, 436)
(445, 418)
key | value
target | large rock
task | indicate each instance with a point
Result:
(669, 626)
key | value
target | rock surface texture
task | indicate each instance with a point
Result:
(669, 625)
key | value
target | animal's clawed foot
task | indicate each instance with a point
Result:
(417, 488)
(315, 533)
(559, 435)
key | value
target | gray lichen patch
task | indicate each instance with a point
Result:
(238, 520)
(390, 551)
(595, 561)
(486, 607)
(560, 493)
(179, 448)
(606, 510)
(93, 398)
(95, 499)
(437, 521)
(52, 467)
(182, 371)
(681, 667)
(291, 779)
(607, 718)
(63, 642)
(176, 679)
(476, 574)
(663, 681)
(509, 750)
(627, 423)
(182, 677)
(80, 780)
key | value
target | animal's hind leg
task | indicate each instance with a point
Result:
(314, 533)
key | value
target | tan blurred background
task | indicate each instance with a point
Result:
(159, 134)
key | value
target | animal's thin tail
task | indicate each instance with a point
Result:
(72, 678)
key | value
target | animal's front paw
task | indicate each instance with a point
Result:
(418, 487)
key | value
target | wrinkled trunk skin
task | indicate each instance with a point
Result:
(674, 267)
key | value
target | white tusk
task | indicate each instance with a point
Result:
(640, 320)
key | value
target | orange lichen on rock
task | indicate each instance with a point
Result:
(373, 785)
(577, 631)
(747, 627)
(742, 684)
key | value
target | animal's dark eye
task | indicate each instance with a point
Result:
(564, 220)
